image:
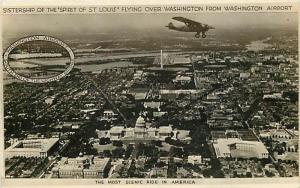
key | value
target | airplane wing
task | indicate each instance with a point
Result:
(188, 22)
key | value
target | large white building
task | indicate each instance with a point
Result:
(32, 148)
(141, 132)
(82, 167)
(237, 148)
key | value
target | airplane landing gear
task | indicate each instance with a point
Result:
(203, 35)
(197, 35)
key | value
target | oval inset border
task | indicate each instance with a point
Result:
(38, 38)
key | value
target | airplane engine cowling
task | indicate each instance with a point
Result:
(171, 24)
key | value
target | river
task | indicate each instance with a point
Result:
(258, 45)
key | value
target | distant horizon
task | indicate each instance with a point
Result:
(69, 25)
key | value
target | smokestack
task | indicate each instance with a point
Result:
(161, 59)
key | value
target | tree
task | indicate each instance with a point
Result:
(163, 153)
(89, 150)
(118, 152)
(157, 143)
(160, 164)
(292, 95)
(140, 149)
(218, 174)
(151, 151)
(215, 164)
(118, 143)
(248, 175)
(147, 150)
(151, 162)
(131, 170)
(168, 140)
(176, 152)
(269, 174)
(206, 173)
(107, 153)
(172, 169)
(104, 141)
(128, 151)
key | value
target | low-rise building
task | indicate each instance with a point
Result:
(195, 159)
(109, 115)
(40, 148)
(182, 79)
(237, 148)
(82, 167)
(159, 172)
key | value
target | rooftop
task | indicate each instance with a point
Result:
(117, 129)
(222, 146)
(165, 129)
(41, 145)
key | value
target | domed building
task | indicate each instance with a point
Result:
(141, 132)
(140, 128)
(140, 122)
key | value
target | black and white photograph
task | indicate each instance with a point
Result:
(181, 96)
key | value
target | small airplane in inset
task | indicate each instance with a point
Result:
(190, 26)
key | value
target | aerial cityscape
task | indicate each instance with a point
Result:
(149, 102)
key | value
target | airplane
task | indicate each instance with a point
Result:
(190, 26)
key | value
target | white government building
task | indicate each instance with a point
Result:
(83, 166)
(237, 148)
(143, 132)
(40, 148)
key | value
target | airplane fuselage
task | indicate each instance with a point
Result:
(187, 29)
(190, 26)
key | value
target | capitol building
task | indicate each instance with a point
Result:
(142, 132)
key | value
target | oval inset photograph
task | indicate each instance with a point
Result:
(38, 59)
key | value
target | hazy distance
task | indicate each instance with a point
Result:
(138, 25)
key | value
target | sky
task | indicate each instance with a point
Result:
(24, 25)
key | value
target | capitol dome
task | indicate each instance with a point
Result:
(140, 122)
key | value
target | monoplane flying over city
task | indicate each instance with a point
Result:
(190, 26)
